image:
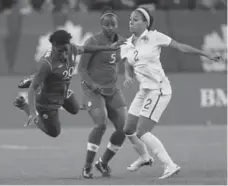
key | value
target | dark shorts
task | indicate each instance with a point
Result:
(94, 100)
(50, 117)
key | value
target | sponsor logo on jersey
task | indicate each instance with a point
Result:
(215, 44)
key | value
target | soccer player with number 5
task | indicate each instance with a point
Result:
(102, 98)
(49, 86)
(142, 59)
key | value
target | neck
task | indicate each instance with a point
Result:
(138, 34)
(110, 37)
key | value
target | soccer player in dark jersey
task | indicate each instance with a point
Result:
(49, 87)
(102, 98)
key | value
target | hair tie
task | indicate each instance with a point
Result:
(145, 13)
(108, 13)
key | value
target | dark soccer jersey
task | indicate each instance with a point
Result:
(102, 67)
(54, 88)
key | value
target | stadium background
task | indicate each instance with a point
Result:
(199, 88)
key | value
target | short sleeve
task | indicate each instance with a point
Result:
(162, 39)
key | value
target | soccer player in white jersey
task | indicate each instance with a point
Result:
(142, 60)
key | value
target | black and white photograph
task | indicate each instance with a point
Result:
(113, 92)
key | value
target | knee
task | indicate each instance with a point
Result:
(54, 133)
(128, 130)
(101, 127)
(74, 111)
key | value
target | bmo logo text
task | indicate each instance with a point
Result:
(213, 97)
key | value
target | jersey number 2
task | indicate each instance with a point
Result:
(113, 57)
(148, 103)
(136, 55)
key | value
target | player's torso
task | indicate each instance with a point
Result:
(55, 86)
(144, 56)
(103, 65)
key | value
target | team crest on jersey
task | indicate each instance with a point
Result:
(45, 116)
(89, 104)
(145, 39)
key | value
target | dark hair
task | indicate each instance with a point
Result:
(144, 18)
(60, 37)
(106, 10)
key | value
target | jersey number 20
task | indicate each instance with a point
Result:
(68, 73)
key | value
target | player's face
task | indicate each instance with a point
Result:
(136, 23)
(109, 25)
(61, 51)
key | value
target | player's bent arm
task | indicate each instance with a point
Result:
(84, 63)
(129, 71)
(188, 49)
(43, 70)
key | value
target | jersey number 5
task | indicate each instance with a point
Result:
(113, 57)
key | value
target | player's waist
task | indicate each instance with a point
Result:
(163, 85)
(105, 90)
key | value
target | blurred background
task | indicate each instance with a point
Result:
(199, 85)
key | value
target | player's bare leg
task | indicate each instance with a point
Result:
(130, 130)
(99, 116)
(155, 145)
(71, 105)
(118, 117)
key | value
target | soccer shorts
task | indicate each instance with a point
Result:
(149, 103)
(94, 100)
(50, 119)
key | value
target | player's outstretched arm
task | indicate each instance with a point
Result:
(43, 70)
(90, 47)
(191, 50)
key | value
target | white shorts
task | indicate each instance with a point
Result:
(149, 103)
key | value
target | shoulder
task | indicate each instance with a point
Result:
(92, 40)
(45, 61)
(157, 34)
(44, 65)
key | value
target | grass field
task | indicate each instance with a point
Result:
(29, 157)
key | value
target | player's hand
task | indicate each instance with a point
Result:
(31, 120)
(128, 81)
(216, 58)
(117, 44)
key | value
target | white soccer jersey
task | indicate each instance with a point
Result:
(144, 56)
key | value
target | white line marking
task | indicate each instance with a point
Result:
(25, 147)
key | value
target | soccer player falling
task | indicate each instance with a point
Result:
(49, 85)
(102, 98)
(142, 60)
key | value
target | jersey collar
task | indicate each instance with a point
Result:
(140, 37)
